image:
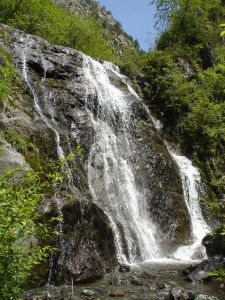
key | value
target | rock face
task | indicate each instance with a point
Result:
(52, 113)
(163, 189)
(10, 158)
(86, 245)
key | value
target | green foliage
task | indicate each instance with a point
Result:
(16, 140)
(223, 32)
(7, 79)
(21, 230)
(218, 275)
(130, 64)
(185, 79)
(59, 26)
(168, 91)
(189, 22)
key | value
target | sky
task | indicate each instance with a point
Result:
(136, 17)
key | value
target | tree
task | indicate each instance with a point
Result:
(165, 9)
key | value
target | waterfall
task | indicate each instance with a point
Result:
(192, 189)
(109, 109)
(112, 150)
(112, 163)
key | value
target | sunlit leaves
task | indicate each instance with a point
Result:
(21, 229)
(59, 26)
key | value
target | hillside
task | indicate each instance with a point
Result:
(74, 25)
(120, 38)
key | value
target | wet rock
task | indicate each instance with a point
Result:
(205, 297)
(116, 293)
(214, 244)
(200, 272)
(186, 67)
(10, 158)
(164, 286)
(116, 280)
(163, 189)
(124, 268)
(136, 281)
(88, 293)
(87, 246)
(181, 294)
(146, 275)
(164, 295)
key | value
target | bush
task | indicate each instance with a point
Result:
(7, 79)
(21, 230)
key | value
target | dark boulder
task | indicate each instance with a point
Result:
(214, 244)
(124, 268)
(200, 272)
(86, 247)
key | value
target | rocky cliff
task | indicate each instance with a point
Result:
(54, 111)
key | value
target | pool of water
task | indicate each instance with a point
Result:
(143, 281)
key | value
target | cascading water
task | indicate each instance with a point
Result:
(112, 153)
(114, 148)
(191, 182)
(192, 189)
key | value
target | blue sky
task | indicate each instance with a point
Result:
(137, 18)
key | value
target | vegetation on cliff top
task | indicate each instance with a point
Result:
(60, 26)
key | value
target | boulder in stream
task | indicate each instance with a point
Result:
(200, 272)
